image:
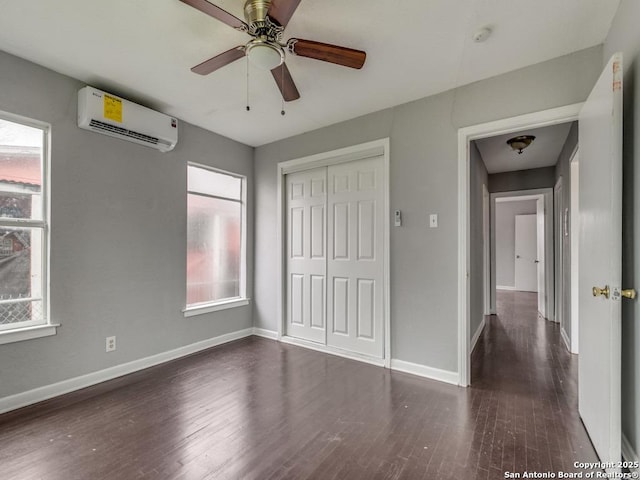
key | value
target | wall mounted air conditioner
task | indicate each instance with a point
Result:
(102, 112)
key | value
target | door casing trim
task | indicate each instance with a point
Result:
(553, 116)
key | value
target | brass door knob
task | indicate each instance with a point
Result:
(629, 293)
(601, 292)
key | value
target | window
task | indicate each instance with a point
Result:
(23, 228)
(216, 221)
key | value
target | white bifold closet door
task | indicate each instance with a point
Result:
(335, 262)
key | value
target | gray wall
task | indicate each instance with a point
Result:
(118, 244)
(479, 177)
(522, 180)
(505, 222)
(563, 170)
(424, 176)
(625, 37)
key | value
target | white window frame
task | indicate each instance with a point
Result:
(27, 331)
(232, 302)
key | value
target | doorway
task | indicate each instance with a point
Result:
(527, 267)
(466, 135)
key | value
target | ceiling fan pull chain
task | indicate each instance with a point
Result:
(282, 112)
(248, 107)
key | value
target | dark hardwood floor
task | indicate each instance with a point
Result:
(259, 409)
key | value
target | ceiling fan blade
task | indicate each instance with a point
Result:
(347, 57)
(282, 10)
(285, 83)
(219, 61)
(218, 13)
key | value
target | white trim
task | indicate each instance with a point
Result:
(558, 251)
(553, 116)
(565, 338)
(215, 307)
(445, 376)
(395, 364)
(505, 287)
(334, 157)
(66, 386)
(574, 220)
(261, 332)
(361, 151)
(629, 454)
(318, 347)
(27, 333)
(476, 336)
(486, 249)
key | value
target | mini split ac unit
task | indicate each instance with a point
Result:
(114, 116)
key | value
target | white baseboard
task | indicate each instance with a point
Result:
(379, 362)
(629, 454)
(476, 336)
(504, 287)
(47, 392)
(565, 337)
(261, 332)
(424, 371)
(66, 386)
(395, 364)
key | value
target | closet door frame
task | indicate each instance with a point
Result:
(362, 151)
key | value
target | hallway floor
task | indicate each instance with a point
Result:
(259, 409)
(530, 382)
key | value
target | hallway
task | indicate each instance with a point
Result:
(529, 381)
(259, 409)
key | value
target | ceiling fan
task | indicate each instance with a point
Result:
(265, 22)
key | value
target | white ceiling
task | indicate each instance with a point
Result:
(143, 50)
(499, 157)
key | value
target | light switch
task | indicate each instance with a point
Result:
(433, 220)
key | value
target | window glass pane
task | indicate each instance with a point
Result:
(20, 171)
(214, 241)
(21, 275)
(201, 180)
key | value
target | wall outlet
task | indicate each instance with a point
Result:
(111, 344)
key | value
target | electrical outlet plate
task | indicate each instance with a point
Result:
(110, 344)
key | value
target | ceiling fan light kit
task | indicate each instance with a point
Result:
(264, 54)
(265, 22)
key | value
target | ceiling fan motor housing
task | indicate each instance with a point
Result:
(256, 10)
(260, 25)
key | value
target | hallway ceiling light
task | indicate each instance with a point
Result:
(521, 142)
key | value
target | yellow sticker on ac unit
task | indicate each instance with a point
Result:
(112, 108)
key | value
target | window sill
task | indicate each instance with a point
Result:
(214, 307)
(27, 333)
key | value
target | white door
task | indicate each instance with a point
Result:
(600, 250)
(355, 309)
(526, 268)
(558, 213)
(306, 254)
(540, 257)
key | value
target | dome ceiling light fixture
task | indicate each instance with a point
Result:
(520, 142)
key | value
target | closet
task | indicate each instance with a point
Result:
(335, 256)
